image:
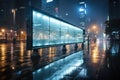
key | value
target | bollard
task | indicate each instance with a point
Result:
(35, 57)
(76, 47)
(64, 49)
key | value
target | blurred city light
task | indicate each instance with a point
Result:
(49, 1)
(3, 30)
(11, 30)
(21, 32)
(81, 9)
(94, 27)
(88, 30)
(82, 2)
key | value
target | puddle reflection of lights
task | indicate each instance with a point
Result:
(83, 73)
(3, 50)
(21, 49)
(66, 70)
(38, 70)
(46, 67)
(95, 55)
(58, 69)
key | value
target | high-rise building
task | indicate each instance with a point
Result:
(51, 7)
(114, 9)
(114, 17)
(82, 13)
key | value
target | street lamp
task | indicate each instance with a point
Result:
(14, 15)
(94, 27)
(21, 32)
(22, 36)
(3, 31)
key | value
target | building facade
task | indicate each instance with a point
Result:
(114, 17)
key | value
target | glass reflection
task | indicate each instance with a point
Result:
(51, 31)
(40, 52)
(68, 49)
(52, 51)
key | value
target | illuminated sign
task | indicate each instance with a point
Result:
(49, 1)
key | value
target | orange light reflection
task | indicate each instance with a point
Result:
(95, 54)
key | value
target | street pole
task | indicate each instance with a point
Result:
(14, 15)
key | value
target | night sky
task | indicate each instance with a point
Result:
(97, 11)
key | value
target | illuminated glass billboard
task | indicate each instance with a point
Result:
(49, 31)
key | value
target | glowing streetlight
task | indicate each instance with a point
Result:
(14, 14)
(3, 30)
(11, 31)
(22, 32)
(94, 27)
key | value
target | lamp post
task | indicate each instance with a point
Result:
(14, 16)
(22, 36)
(95, 32)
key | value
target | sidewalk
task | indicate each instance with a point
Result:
(98, 65)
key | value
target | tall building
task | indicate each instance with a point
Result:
(114, 9)
(51, 7)
(82, 12)
(114, 17)
(113, 24)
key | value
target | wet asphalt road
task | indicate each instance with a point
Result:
(99, 63)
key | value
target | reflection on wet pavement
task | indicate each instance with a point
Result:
(13, 58)
(58, 69)
(93, 62)
(54, 65)
(88, 69)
